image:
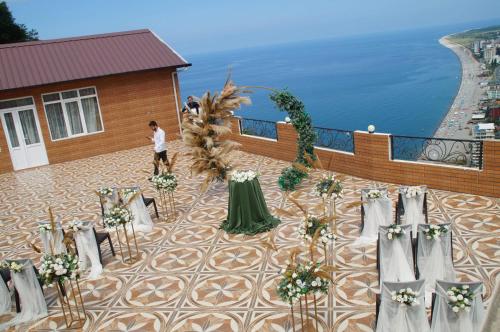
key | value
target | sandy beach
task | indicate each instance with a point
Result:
(454, 124)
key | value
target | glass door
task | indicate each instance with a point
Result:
(22, 130)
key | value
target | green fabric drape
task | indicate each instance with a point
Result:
(247, 210)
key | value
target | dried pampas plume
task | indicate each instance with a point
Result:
(204, 133)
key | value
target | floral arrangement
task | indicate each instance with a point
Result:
(329, 187)
(300, 280)
(406, 296)
(290, 178)
(436, 231)
(374, 193)
(166, 181)
(128, 192)
(45, 227)
(242, 176)
(117, 215)
(75, 225)
(413, 191)
(394, 232)
(460, 298)
(59, 268)
(311, 225)
(12, 266)
(105, 192)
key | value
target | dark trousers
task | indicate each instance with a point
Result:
(160, 155)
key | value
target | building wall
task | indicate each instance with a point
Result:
(127, 103)
(372, 160)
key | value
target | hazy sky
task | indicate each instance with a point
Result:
(197, 26)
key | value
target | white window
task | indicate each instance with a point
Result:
(72, 113)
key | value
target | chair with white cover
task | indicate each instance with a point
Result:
(142, 219)
(5, 296)
(411, 207)
(26, 283)
(445, 319)
(434, 258)
(395, 256)
(392, 316)
(52, 243)
(88, 249)
(375, 212)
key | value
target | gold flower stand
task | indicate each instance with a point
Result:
(167, 201)
(306, 323)
(72, 305)
(132, 258)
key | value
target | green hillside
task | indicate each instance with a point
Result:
(467, 38)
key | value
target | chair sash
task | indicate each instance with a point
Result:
(396, 256)
(33, 305)
(378, 212)
(141, 218)
(413, 207)
(445, 320)
(434, 260)
(5, 298)
(52, 241)
(397, 317)
(86, 245)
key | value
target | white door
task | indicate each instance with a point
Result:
(22, 130)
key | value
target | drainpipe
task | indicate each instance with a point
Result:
(174, 79)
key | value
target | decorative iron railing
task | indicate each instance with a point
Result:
(261, 128)
(466, 153)
(334, 139)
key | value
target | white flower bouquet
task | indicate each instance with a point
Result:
(460, 298)
(395, 231)
(374, 193)
(43, 228)
(59, 268)
(12, 266)
(128, 192)
(75, 225)
(105, 192)
(165, 181)
(329, 187)
(117, 215)
(309, 227)
(436, 231)
(243, 176)
(413, 191)
(406, 296)
(301, 280)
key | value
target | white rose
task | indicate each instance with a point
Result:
(455, 309)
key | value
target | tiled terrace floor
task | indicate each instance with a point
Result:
(193, 276)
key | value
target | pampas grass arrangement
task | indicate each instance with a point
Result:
(205, 133)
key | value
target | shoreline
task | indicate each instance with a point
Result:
(454, 123)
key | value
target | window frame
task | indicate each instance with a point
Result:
(78, 100)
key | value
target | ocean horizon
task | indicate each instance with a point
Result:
(401, 82)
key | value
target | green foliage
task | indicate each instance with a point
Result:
(301, 121)
(290, 177)
(12, 32)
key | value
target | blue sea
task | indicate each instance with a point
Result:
(403, 83)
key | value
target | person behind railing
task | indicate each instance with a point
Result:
(191, 106)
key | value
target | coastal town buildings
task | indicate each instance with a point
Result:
(78, 97)
(484, 131)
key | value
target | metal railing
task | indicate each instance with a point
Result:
(466, 153)
(334, 139)
(261, 128)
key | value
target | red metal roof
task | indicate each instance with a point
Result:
(58, 60)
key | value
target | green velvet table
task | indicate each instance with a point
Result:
(247, 210)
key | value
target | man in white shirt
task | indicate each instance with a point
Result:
(160, 147)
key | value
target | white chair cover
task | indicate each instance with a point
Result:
(414, 207)
(378, 212)
(396, 317)
(142, 219)
(434, 260)
(445, 320)
(33, 304)
(57, 240)
(108, 201)
(492, 317)
(5, 298)
(87, 249)
(396, 256)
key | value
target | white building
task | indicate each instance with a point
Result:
(477, 47)
(490, 53)
(484, 131)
